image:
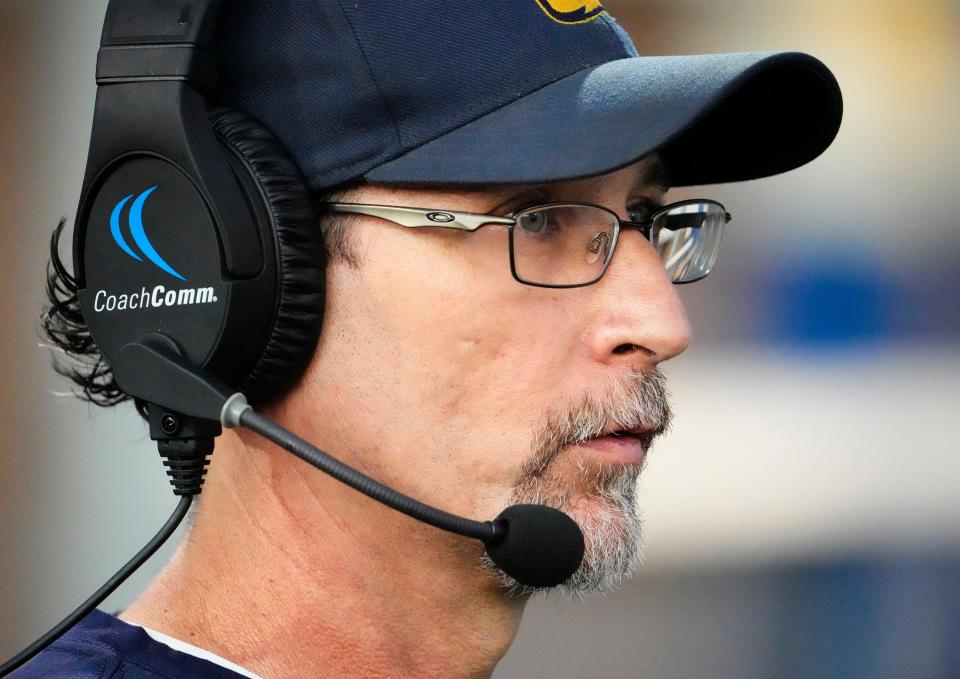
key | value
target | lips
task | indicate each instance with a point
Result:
(619, 447)
(644, 435)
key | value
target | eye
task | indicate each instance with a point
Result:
(533, 222)
(523, 201)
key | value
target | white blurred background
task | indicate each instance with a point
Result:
(803, 519)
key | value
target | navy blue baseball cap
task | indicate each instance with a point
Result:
(510, 91)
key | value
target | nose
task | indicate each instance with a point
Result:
(639, 319)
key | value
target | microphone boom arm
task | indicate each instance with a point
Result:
(237, 412)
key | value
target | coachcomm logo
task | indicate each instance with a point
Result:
(571, 11)
(158, 296)
(147, 299)
(136, 230)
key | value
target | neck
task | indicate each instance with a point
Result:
(289, 573)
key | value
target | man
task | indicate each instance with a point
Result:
(471, 369)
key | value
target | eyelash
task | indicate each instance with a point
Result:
(644, 207)
(523, 202)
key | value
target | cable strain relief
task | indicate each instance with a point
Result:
(233, 410)
(186, 461)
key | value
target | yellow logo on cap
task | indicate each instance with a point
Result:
(571, 11)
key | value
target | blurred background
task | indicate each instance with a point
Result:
(803, 518)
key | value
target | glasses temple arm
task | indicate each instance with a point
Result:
(412, 217)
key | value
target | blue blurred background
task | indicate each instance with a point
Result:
(803, 518)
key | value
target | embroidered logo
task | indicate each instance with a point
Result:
(571, 11)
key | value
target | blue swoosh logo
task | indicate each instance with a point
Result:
(115, 229)
(138, 232)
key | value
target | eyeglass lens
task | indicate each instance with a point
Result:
(562, 244)
(572, 244)
(688, 239)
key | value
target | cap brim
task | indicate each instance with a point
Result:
(713, 118)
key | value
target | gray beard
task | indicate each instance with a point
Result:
(605, 504)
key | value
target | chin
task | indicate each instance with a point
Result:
(612, 532)
(602, 501)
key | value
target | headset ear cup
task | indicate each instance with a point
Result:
(301, 255)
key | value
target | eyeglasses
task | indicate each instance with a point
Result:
(570, 245)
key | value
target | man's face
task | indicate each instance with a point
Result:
(441, 375)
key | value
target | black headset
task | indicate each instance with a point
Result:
(245, 299)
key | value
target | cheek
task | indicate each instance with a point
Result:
(475, 358)
(467, 328)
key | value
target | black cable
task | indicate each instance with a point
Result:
(486, 531)
(108, 587)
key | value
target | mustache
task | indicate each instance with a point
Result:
(631, 401)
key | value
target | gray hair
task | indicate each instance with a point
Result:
(611, 524)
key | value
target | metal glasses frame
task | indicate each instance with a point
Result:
(416, 217)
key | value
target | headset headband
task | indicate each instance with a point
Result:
(156, 40)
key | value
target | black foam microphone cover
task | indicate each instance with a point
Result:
(542, 546)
